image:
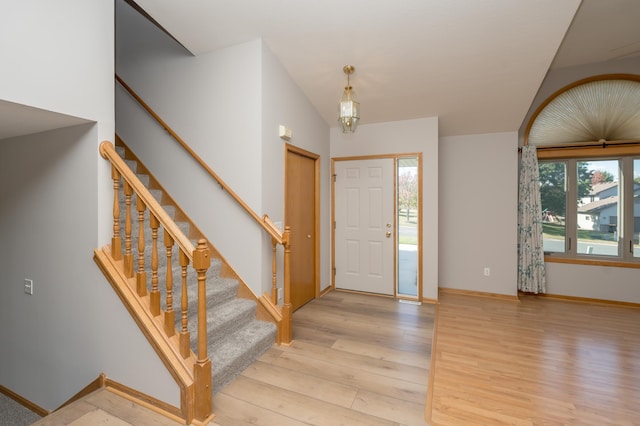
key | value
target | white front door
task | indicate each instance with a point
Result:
(364, 228)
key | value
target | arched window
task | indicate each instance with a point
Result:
(587, 137)
(590, 111)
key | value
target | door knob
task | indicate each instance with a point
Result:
(388, 234)
(309, 236)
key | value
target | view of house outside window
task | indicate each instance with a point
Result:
(598, 209)
(595, 223)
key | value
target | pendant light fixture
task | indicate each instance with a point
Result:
(349, 108)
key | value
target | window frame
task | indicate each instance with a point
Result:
(625, 154)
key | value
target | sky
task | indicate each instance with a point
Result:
(610, 166)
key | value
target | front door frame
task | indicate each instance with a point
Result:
(395, 157)
(316, 196)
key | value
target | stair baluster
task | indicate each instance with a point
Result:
(185, 349)
(274, 272)
(154, 295)
(141, 275)
(116, 239)
(169, 315)
(128, 250)
(287, 310)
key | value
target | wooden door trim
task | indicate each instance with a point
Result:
(395, 157)
(288, 148)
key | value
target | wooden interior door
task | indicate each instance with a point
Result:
(301, 212)
(364, 211)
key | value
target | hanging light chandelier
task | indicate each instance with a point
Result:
(349, 108)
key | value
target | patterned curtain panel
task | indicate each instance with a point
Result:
(531, 273)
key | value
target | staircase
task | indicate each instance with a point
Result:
(235, 337)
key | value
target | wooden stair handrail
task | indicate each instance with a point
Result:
(108, 151)
(273, 231)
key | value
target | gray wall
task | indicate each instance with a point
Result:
(283, 103)
(478, 212)
(227, 106)
(55, 209)
(74, 327)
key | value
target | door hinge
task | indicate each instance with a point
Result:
(334, 224)
(334, 271)
(334, 177)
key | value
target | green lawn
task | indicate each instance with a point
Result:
(557, 230)
(402, 221)
(408, 240)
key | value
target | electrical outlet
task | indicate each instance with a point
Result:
(487, 271)
(28, 286)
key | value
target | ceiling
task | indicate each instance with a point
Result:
(476, 64)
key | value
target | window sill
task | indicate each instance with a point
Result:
(593, 262)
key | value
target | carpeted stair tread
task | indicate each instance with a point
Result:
(144, 179)
(133, 165)
(219, 289)
(184, 227)
(227, 318)
(235, 352)
(156, 193)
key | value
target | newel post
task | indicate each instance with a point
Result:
(287, 312)
(202, 367)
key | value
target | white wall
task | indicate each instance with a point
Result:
(222, 220)
(284, 103)
(478, 212)
(213, 102)
(598, 282)
(227, 106)
(398, 137)
(59, 56)
(74, 327)
(593, 282)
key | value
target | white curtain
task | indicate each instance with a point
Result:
(531, 273)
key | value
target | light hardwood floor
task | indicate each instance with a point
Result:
(356, 360)
(364, 360)
(535, 362)
(104, 407)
